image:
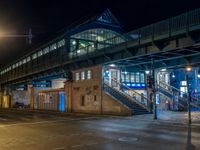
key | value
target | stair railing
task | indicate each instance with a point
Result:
(195, 102)
(136, 98)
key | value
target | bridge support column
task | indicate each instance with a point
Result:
(154, 89)
(68, 97)
(6, 101)
(31, 96)
(1, 96)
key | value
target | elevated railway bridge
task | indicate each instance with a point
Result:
(95, 67)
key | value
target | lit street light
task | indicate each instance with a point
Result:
(188, 69)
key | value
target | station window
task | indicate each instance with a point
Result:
(53, 47)
(13, 66)
(46, 50)
(61, 43)
(132, 77)
(40, 53)
(20, 63)
(89, 74)
(24, 61)
(142, 77)
(34, 56)
(137, 77)
(127, 77)
(77, 76)
(82, 75)
(122, 77)
(28, 59)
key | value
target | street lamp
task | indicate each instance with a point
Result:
(198, 75)
(147, 71)
(188, 69)
(173, 75)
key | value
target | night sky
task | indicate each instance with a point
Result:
(48, 17)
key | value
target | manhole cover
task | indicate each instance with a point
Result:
(128, 139)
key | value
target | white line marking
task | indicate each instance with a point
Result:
(91, 144)
(60, 148)
(75, 146)
(41, 122)
(3, 119)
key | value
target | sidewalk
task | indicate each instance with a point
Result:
(179, 117)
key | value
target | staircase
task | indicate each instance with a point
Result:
(171, 91)
(133, 104)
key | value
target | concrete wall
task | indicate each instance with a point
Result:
(20, 96)
(112, 106)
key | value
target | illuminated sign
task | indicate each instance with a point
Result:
(183, 83)
(138, 85)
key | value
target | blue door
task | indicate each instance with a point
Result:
(61, 102)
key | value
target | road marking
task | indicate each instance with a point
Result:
(42, 122)
(75, 146)
(60, 148)
(3, 119)
(75, 134)
(91, 144)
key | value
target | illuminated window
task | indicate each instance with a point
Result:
(142, 77)
(89, 74)
(20, 63)
(132, 77)
(46, 50)
(61, 43)
(34, 56)
(77, 76)
(127, 77)
(24, 61)
(40, 53)
(53, 47)
(137, 77)
(122, 77)
(13, 66)
(28, 59)
(82, 75)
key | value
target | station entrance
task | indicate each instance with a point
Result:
(171, 90)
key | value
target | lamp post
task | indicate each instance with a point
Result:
(188, 69)
(154, 89)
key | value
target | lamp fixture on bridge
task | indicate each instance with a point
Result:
(198, 75)
(188, 68)
(147, 71)
(173, 75)
(112, 65)
(164, 69)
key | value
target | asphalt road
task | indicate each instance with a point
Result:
(47, 131)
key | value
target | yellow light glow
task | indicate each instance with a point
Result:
(188, 69)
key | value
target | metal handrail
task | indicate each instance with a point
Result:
(185, 99)
(136, 93)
